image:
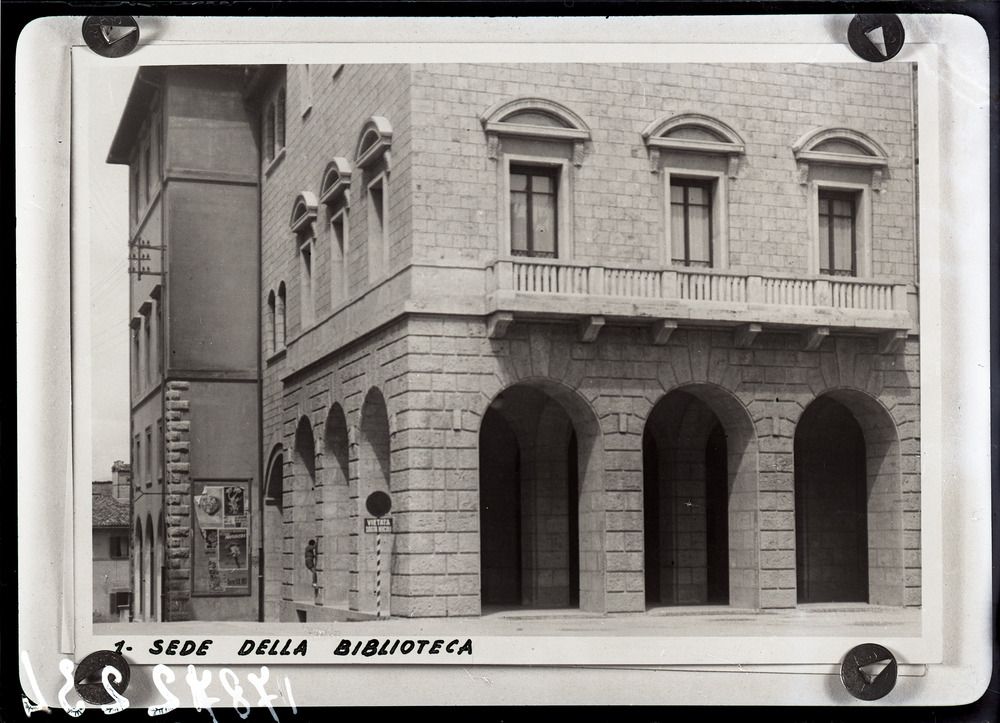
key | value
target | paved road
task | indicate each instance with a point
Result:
(806, 620)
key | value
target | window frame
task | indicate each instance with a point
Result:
(862, 194)
(535, 171)
(687, 182)
(671, 155)
(718, 184)
(281, 317)
(123, 543)
(380, 270)
(306, 246)
(148, 460)
(564, 195)
(270, 324)
(339, 282)
(832, 196)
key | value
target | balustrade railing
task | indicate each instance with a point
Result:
(542, 276)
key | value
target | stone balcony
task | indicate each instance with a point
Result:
(668, 298)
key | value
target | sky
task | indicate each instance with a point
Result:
(108, 222)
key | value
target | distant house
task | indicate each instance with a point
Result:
(112, 590)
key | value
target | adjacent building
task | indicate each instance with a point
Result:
(112, 590)
(609, 337)
(192, 154)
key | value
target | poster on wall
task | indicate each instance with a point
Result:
(220, 546)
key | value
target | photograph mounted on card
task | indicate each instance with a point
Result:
(617, 355)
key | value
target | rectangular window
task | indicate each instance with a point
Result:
(691, 222)
(133, 183)
(149, 457)
(307, 90)
(269, 134)
(376, 229)
(338, 258)
(137, 465)
(534, 197)
(141, 187)
(159, 451)
(148, 350)
(837, 233)
(135, 360)
(306, 279)
(120, 601)
(149, 170)
(119, 546)
(159, 337)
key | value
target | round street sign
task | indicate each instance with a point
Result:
(378, 504)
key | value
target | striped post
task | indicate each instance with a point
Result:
(378, 575)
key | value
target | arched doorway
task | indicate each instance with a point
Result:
(147, 571)
(848, 502)
(374, 475)
(536, 456)
(700, 500)
(138, 583)
(274, 534)
(335, 545)
(304, 527)
(158, 557)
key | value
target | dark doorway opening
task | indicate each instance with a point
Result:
(685, 504)
(529, 461)
(831, 515)
(500, 512)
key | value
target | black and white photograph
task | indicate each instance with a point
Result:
(610, 358)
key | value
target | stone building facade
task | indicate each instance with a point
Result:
(597, 332)
(609, 337)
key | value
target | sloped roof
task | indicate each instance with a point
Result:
(109, 512)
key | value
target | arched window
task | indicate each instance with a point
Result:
(333, 191)
(269, 328)
(536, 143)
(303, 216)
(841, 168)
(279, 121)
(373, 155)
(269, 133)
(696, 155)
(279, 318)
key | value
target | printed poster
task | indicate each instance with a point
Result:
(221, 539)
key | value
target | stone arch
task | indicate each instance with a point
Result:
(138, 582)
(158, 564)
(304, 510)
(685, 458)
(147, 571)
(304, 210)
(532, 111)
(558, 443)
(374, 475)
(335, 545)
(374, 141)
(273, 531)
(880, 485)
(851, 142)
(336, 180)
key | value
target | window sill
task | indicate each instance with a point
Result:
(276, 356)
(275, 162)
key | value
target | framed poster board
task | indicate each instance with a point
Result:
(220, 537)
